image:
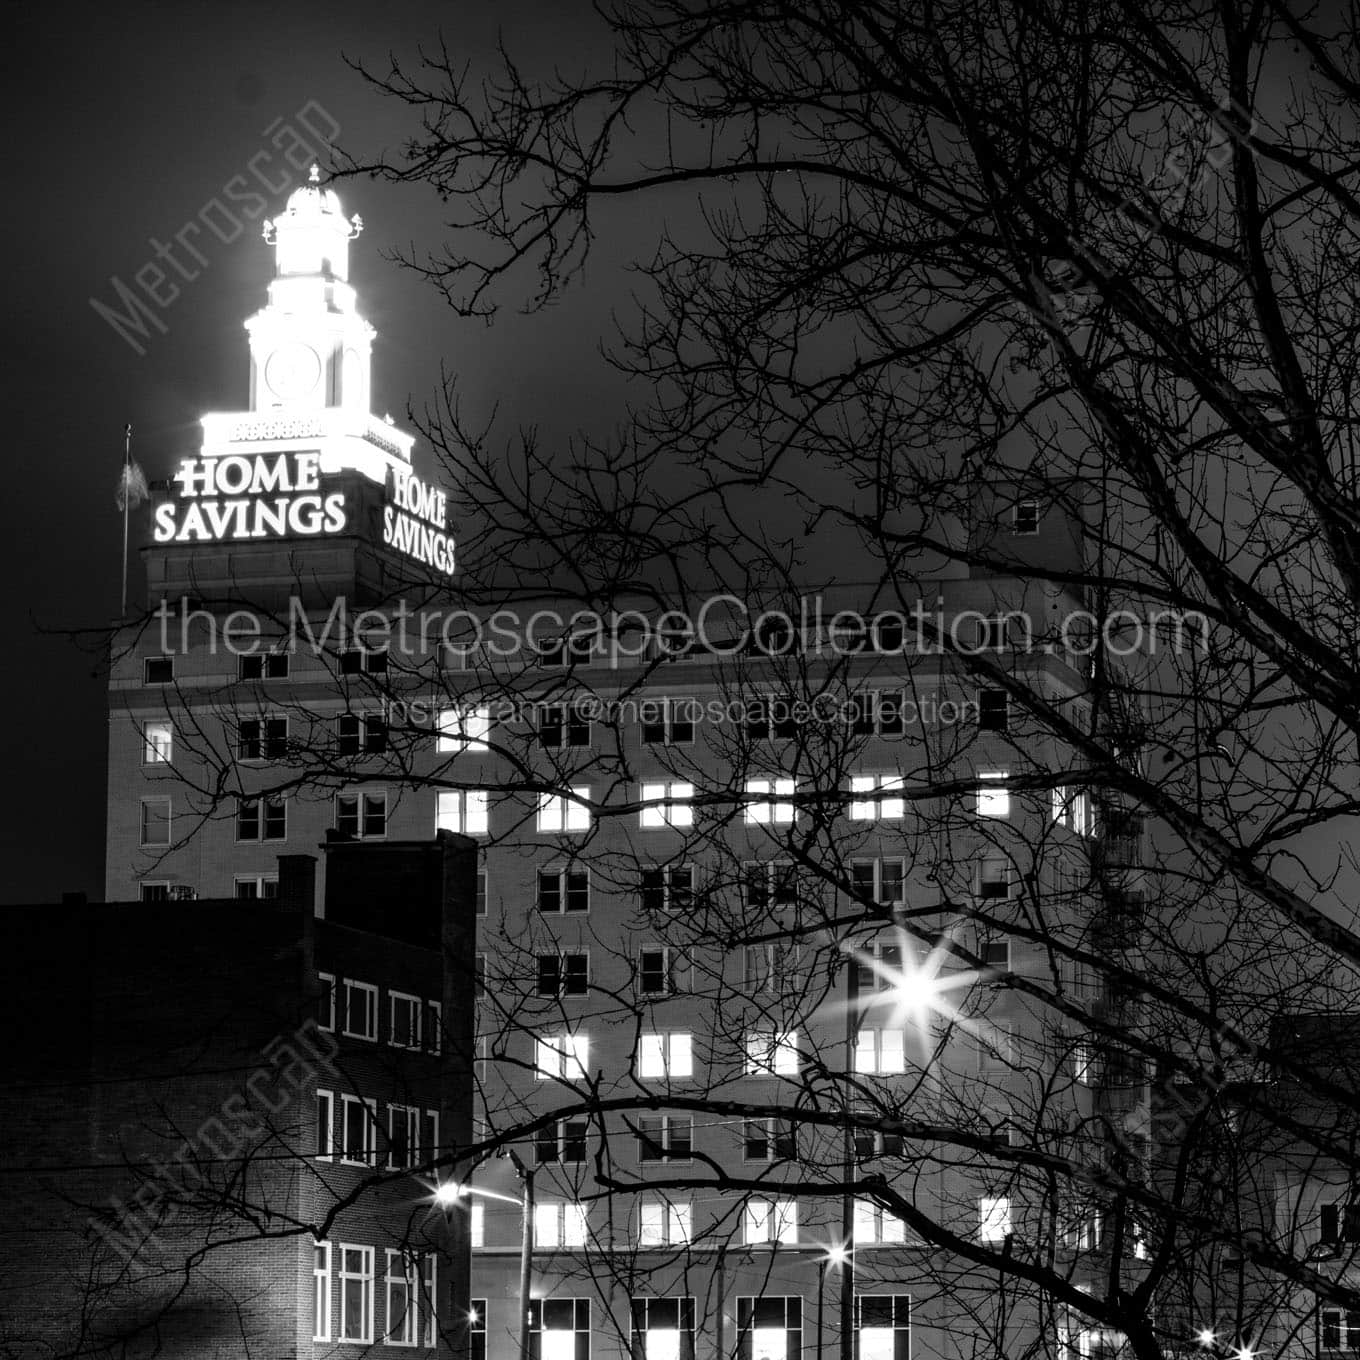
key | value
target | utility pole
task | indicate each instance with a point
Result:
(526, 1249)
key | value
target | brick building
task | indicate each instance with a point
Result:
(216, 1116)
(668, 1030)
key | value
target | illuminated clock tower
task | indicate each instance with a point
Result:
(310, 352)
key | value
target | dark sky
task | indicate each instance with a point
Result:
(126, 122)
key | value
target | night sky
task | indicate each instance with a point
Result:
(126, 122)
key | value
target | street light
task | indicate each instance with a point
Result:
(833, 1256)
(449, 1194)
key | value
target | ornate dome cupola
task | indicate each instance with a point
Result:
(309, 348)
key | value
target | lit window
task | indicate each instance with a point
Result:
(668, 722)
(880, 1051)
(321, 1291)
(771, 801)
(774, 1325)
(567, 812)
(663, 1224)
(356, 1293)
(261, 819)
(477, 1225)
(157, 743)
(662, 1056)
(560, 1224)
(563, 890)
(361, 1010)
(403, 1283)
(358, 1131)
(877, 798)
(877, 1226)
(883, 1326)
(667, 805)
(771, 1220)
(1072, 809)
(463, 811)
(462, 729)
(880, 881)
(994, 802)
(363, 816)
(404, 1013)
(668, 888)
(663, 1328)
(155, 821)
(562, 1055)
(772, 1053)
(994, 1218)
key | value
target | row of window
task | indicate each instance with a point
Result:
(669, 1055)
(350, 1007)
(663, 1221)
(349, 1130)
(664, 804)
(769, 1327)
(160, 670)
(670, 1138)
(664, 722)
(344, 1286)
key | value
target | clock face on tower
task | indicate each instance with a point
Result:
(292, 371)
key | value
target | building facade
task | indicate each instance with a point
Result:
(742, 873)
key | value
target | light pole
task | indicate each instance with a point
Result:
(834, 1256)
(451, 1193)
(847, 1309)
(526, 1249)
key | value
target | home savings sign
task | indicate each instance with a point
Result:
(415, 521)
(249, 497)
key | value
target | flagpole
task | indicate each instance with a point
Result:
(127, 506)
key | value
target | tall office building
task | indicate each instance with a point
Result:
(766, 1021)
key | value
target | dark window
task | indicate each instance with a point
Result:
(1025, 517)
(665, 1138)
(261, 820)
(668, 889)
(155, 892)
(563, 725)
(476, 1348)
(158, 670)
(359, 660)
(668, 722)
(563, 890)
(361, 815)
(563, 974)
(993, 710)
(768, 1140)
(662, 971)
(356, 735)
(481, 892)
(262, 666)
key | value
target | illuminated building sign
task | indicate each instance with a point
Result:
(242, 496)
(415, 521)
